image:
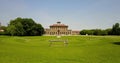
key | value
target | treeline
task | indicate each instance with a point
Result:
(28, 27)
(115, 30)
(23, 27)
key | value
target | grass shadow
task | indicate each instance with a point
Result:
(116, 43)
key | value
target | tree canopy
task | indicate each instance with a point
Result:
(94, 32)
(115, 30)
(28, 27)
(24, 27)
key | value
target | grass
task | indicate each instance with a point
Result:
(81, 49)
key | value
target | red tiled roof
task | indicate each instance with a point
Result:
(58, 25)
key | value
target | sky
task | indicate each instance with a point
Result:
(77, 14)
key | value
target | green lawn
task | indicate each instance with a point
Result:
(81, 49)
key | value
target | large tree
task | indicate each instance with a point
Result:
(24, 27)
(116, 29)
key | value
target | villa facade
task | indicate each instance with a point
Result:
(60, 29)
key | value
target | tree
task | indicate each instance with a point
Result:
(37, 29)
(84, 32)
(109, 31)
(11, 30)
(24, 27)
(94, 32)
(104, 32)
(115, 29)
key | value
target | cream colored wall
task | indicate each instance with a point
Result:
(54, 30)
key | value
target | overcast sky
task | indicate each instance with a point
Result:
(78, 14)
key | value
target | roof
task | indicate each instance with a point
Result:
(58, 24)
(76, 31)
